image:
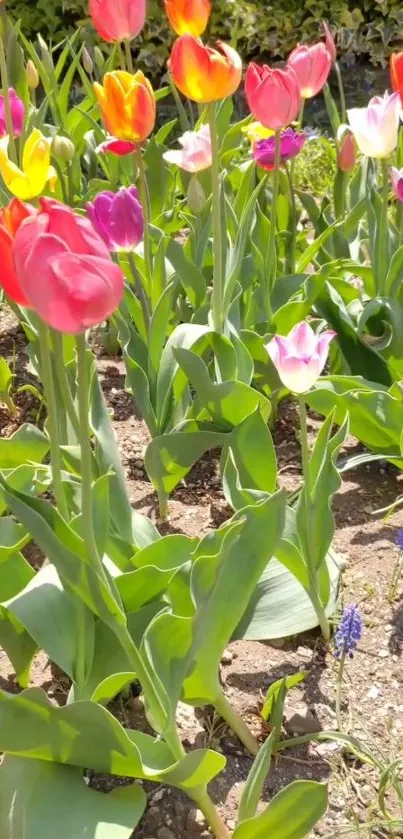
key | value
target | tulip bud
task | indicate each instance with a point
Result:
(196, 197)
(46, 56)
(99, 58)
(347, 154)
(32, 75)
(88, 63)
(330, 43)
(63, 149)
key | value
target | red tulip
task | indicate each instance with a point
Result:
(347, 153)
(273, 95)
(312, 66)
(396, 73)
(118, 20)
(11, 217)
(65, 270)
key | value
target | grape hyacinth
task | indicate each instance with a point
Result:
(399, 539)
(349, 632)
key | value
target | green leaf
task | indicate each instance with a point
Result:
(169, 457)
(171, 381)
(190, 276)
(254, 785)
(18, 645)
(85, 734)
(254, 455)
(291, 814)
(41, 800)
(166, 646)
(15, 573)
(274, 690)
(13, 536)
(25, 445)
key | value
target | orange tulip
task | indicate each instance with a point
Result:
(188, 17)
(204, 74)
(396, 73)
(127, 105)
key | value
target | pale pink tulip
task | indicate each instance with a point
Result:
(195, 154)
(65, 270)
(300, 357)
(376, 127)
(311, 65)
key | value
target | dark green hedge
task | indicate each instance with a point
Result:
(265, 28)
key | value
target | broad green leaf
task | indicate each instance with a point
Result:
(254, 785)
(85, 734)
(167, 553)
(171, 381)
(229, 577)
(139, 587)
(169, 457)
(15, 573)
(291, 814)
(274, 690)
(28, 444)
(40, 800)
(18, 645)
(252, 447)
(166, 646)
(13, 536)
(191, 277)
(27, 478)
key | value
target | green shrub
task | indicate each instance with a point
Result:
(264, 29)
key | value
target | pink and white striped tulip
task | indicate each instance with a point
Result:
(376, 127)
(195, 154)
(300, 357)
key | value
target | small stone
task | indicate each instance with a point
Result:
(373, 692)
(158, 795)
(231, 823)
(195, 820)
(383, 654)
(227, 657)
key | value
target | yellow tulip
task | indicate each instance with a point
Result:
(256, 131)
(29, 181)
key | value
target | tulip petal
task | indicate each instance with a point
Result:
(8, 278)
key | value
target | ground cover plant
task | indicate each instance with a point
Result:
(190, 251)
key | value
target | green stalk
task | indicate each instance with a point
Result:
(313, 593)
(211, 814)
(83, 386)
(381, 245)
(236, 723)
(339, 689)
(140, 292)
(272, 252)
(183, 117)
(129, 57)
(217, 294)
(145, 202)
(5, 84)
(290, 257)
(301, 112)
(343, 106)
(53, 425)
(63, 382)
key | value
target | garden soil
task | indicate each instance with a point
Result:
(373, 692)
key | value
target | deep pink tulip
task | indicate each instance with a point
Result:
(291, 143)
(312, 66)
(273, 96)
(118, 218)
(300, 357)
(397, 182)
(118, 20)
(65, 270)
(17, 109)
(118, 147)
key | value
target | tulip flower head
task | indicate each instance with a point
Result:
(376, 127)
(118, 219)
(347, 153)
(397, 182)
(36, 172)
(204, 74)
(188, 17)
(17, 109)
(330, 44)
(300, 357)
(11, 217)
(396, 73)
(256, 131)
(273, 96)
(195, 154)
(291, 143)
(312, 65)
(128, 109)
(65, 270)
(118, 20)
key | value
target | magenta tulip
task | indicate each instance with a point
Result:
(397, 182)
(300, 357)
(118, 218)
(17, 109)
(65, 270)
(291, 143)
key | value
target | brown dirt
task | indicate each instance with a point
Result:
(374, 681)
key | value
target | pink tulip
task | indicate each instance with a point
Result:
(273, 96)
(300, 357)
(195, 154)
(397, 182)
(17, 109)
(118, 20)
(64, 269)
(330, 44)
(311, 66)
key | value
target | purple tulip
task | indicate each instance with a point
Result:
(291, 143)
(300, 357)
(397, 182)
(118, 218)
(17, 114)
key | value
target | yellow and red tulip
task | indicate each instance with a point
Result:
(188, 17)
(127, 104)
(29, 181)
(204, 74)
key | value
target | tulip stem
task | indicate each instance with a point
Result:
(217, 294)
(5, 84)
(381, 244)
(129, 57)
(236, 723)
(83, 387)
(140, 292)
(53, 426)
(145, 202)
(205, 804)
(312, 574)
(272, 251)
(64, 384)
(290, 256)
